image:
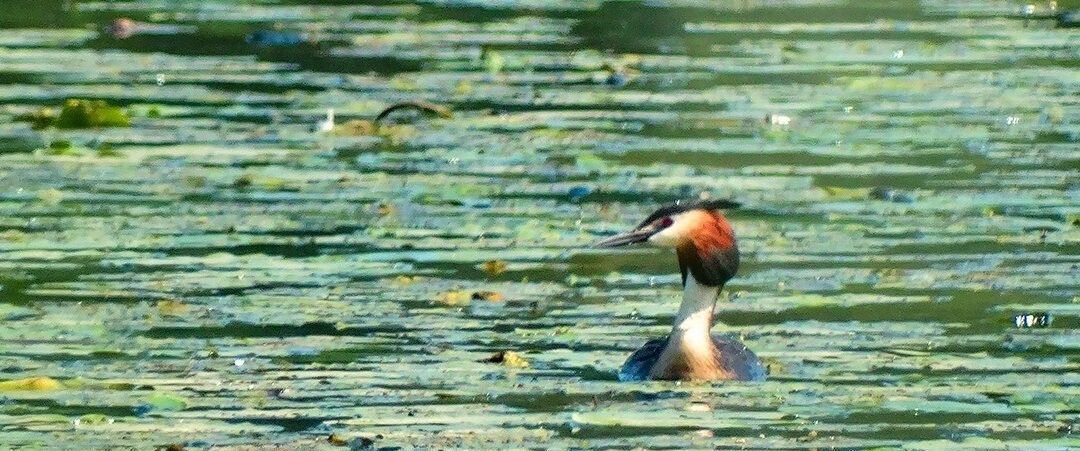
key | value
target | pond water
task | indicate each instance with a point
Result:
(224, 268)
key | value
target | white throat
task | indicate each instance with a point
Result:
(689, 352)
(695, 314)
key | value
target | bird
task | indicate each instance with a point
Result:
(708, 256)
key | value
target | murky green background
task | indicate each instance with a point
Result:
(219, 274)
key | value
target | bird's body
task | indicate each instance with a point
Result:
(708, 257)
(734, 361)
(690, 351)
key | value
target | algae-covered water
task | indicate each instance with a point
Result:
(201, 260)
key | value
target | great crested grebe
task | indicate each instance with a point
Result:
(708, 257)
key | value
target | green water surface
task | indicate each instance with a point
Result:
(219, 273)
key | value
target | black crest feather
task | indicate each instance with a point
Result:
(688, 205)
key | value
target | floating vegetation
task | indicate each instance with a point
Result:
(40, 118)
(312, 226)
(162, 402)
(78, 113)
(39, 383)
(484, 295)
(454, 297)
(495, 267)
(509, 359)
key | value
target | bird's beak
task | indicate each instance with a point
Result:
(622, 239)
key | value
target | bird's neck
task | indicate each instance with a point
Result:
(689, 353)
(695, 315)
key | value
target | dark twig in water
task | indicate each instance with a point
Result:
(421, 105)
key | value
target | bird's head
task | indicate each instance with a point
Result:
(700, 234)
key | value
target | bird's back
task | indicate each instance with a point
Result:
(731, 356)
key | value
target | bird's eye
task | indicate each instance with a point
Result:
(665, 222)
